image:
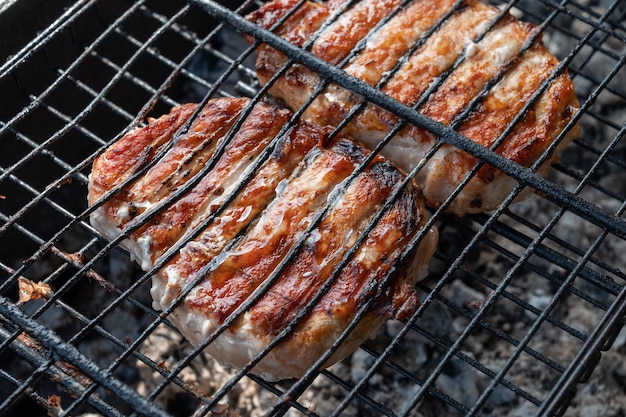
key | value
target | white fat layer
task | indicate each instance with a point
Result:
(501, 45)
(471, 49)
(238, 214)
(246, 212)
(233, 347)
(405, 151)
(508, 46)
(509, 88)
(437, 178)
(99, 221)
(313, 238)
(144, 252)
(280, 187)
(123, 213)
(139, 250)
(166, 286)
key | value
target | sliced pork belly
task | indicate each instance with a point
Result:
(301, 190)
(463, 44)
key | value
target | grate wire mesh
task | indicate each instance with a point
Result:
(507, 279)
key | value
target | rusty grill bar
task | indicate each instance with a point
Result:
(75, 81)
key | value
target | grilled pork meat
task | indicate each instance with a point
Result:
(476, 54)
(265, 222)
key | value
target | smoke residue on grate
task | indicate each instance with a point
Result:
(120, 62)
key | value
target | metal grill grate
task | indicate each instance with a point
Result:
(519, 309)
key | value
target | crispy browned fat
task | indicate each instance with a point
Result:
(463, 31)
(231, 257)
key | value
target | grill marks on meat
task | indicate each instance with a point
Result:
(260, 250)
(343, 35)
(233, 255)
(395, 38)
(478, 55)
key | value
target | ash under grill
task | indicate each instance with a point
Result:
(522, 312)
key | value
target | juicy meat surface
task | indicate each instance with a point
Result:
(257, 220)
(441, 57)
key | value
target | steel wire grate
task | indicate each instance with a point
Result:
(522, 312)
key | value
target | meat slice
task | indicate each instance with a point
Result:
(258, 220)
(475, 53)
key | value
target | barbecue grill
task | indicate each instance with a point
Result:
(522, 312)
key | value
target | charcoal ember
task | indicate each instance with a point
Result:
(203, 376)
(464, 295)
(461, 381)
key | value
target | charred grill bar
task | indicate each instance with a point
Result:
(523, 308)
